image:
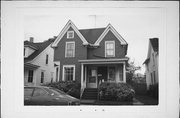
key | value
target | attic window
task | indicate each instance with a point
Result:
(70, 34)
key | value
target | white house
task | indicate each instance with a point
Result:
(152, 62)
(39, 67)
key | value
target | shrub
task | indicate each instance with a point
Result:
(116, 92)
(70, 87)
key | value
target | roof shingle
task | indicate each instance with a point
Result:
(39, 46)
(91, 35)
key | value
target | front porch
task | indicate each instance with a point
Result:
(95, 72)
(30, 74)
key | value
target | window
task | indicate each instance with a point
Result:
(30, 76)
(39, 92)
(109, 49)
(69, 73)
(121, 73)
(57, 71)
(28, 91)
(47, 58)
(70, 49)
(42, 77)
(111, 73)
(70, 34)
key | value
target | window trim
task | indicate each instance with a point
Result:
(106, 48)
(64, 66)
(66, 49)
(68, 34)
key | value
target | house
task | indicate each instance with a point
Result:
(39, 67)
(90, 56)
(152, 62)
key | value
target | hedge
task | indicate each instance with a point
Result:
(116, 92)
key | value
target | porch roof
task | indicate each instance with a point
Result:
(103, 61)
(30, 66)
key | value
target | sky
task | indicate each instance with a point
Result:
(135, 25)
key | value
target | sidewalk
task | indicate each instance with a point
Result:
(97, 102)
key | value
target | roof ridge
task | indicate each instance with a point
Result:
(93, 28)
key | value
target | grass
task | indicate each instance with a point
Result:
(147, 100)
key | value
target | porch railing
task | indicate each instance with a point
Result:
(82, 90)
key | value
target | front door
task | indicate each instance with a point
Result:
(102, 74)
(92, 77)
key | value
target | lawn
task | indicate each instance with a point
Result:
(147, 100)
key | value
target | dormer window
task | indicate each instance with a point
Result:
(109, 49)
(70, 34)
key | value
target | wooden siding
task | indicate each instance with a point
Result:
(80, 53)
(94, 53)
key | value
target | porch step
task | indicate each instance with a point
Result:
(90, 94)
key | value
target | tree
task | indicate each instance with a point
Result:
(131, 68)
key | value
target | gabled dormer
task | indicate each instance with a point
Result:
(69, 29)
(29, 47)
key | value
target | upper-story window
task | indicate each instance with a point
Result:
(109, 49)
(70, 34)
(70, 49)
(47, 56)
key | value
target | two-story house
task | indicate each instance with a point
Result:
(90, 56)
(39, 67)
(152, 62)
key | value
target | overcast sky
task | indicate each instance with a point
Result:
(135, 25)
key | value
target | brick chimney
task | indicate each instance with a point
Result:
(31, 39)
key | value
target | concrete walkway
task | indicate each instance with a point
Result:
(96, 102)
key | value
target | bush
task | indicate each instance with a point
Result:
(116, 92)
(70, 87)
(153, 91)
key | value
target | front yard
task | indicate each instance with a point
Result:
(146, 100)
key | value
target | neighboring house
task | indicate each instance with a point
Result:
(39, 67)
(90, 56)
(152, 62)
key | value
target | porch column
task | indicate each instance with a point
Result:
(85, 75)
(124, 72)
(82, 74)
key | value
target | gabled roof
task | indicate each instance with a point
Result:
(39, 48)
(155, 44)
(91, 35)
(30, 44)
(110, 28)
(64, 30)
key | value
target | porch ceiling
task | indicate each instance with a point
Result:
(103, 61)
